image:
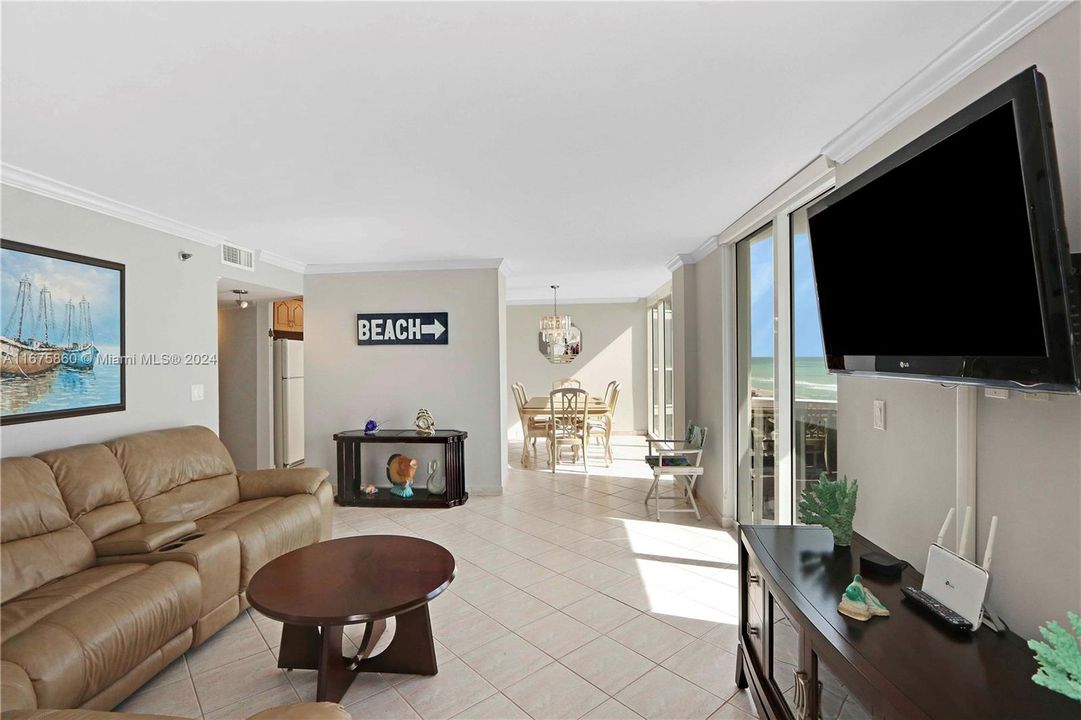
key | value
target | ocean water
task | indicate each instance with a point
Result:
(61, 389)
(810, 378)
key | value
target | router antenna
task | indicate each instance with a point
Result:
(962, 545)
(990, 544)
(945, 527)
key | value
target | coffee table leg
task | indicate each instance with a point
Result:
(334, 675)
(411, 651)
(299, 647)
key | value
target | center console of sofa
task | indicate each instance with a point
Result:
(118, 557)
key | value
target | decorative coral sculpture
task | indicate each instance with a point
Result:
(859, 603)
(831, 503)
(1060, 666)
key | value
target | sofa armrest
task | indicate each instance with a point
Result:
(304, 711)
(143, 538)
(280, 482)
(16, 689)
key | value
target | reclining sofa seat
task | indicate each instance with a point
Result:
(186, 474)
(72, 633)
(110, 548)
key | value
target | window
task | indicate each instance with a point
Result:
(814, 389)
(661, 372)
(786, 429)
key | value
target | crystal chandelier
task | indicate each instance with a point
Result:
(559, 340)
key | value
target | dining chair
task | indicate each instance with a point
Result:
(568, 426)
(533, 428)
(525, 399)
(567, 383)
(601, 426)
(684, 465)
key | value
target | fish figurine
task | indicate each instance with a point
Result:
(859, 603)
(400, 472)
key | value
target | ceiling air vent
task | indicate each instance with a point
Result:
(238, 257)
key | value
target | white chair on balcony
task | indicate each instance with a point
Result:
(683, 465)
(568, 426)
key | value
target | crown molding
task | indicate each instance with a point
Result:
(547, 302)
(679, 261)
(410, 266)
(272, 258)
(998, 31)
(38, 184)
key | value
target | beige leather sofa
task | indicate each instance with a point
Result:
(117, 558)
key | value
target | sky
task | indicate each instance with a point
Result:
(65, 279)
(806, 328)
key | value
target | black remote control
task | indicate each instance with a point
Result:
(943, 613)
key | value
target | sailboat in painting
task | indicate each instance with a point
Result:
(80, 353)
(20, 354)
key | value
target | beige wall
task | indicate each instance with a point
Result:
(704, 395)
(1028, 451)
(171, 307)
(613, 348)
(461, 383)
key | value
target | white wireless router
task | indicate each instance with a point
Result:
(956, 582)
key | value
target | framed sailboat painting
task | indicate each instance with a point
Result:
(62, 347)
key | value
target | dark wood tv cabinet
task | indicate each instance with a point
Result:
(804, 660)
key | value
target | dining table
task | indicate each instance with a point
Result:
(541, 406)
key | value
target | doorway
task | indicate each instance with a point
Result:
(260, 378)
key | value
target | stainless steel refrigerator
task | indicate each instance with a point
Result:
(288, 403)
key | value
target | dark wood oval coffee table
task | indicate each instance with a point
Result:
(317, 590)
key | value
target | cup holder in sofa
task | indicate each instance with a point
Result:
(193, 536)
(170, 546)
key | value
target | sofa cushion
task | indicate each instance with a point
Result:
(83, 646)
(268, 528)
(40, 542)
(93, 487)
(25, 610)
(178, 474)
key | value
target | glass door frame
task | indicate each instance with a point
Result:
(660, 347)
(780, 219)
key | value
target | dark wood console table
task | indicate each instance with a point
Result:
(350, 443)
(805, 660)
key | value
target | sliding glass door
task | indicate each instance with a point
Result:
(787, 400)
(661, 369)
(756, 328)
(814, 389)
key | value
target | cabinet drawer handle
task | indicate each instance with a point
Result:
(752, 631)
(752, 578)
(801, 694)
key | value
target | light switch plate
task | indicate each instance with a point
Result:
(197, 393)
(880, 414)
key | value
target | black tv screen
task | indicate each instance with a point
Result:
(948, 259)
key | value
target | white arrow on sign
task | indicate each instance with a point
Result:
(435, 329)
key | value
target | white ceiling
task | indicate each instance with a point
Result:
(584, 143)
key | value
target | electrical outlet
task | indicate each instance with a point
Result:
(1037, 396)
(999, 393)
(197, 393)
(880, 414)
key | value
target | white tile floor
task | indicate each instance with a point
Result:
(568, 603)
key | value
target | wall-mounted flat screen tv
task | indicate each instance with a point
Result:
(949, 260)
